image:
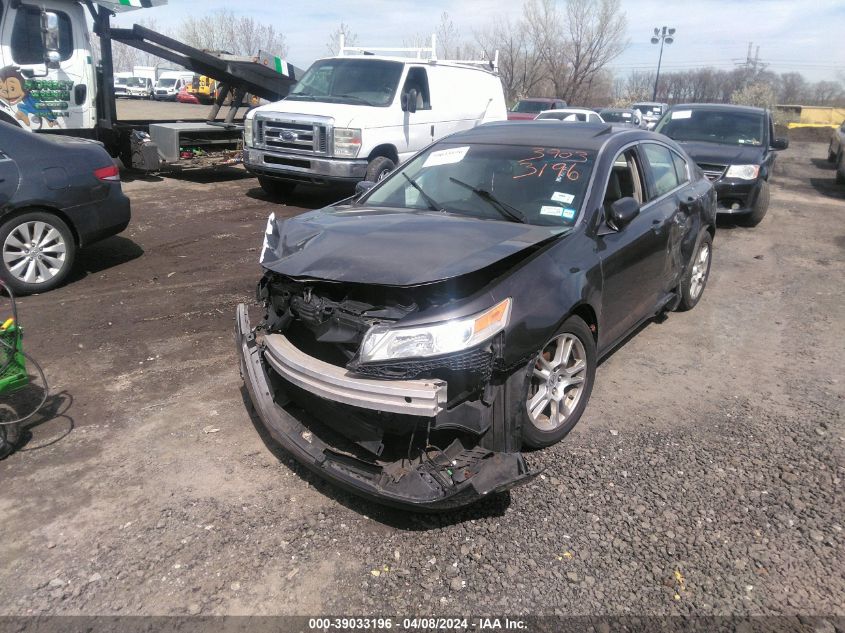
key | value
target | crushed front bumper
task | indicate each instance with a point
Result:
(457, 477)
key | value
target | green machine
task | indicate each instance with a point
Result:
(14, 377)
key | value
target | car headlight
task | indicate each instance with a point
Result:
(385, 343)
(248, 129)
(347, 142)
(743, 172)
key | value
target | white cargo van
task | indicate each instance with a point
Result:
(170, 83)
(356, 116)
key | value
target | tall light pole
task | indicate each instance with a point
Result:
(666, 35)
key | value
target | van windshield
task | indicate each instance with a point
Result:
(370, 82)
(136, 81)
(166, 83)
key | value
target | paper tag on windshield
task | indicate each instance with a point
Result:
(446, 156)
(568, 214)
(682, 114)
(550, 210)
(626, 115)
(565, 198)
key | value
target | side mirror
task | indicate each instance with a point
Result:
(409, 100)
(780, 143)
(622, 212)
(50, 38)
(363, 187)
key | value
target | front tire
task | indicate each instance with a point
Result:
(831, 155)
(761, 205)
(698, 271)
(276, 188)
(557, 385)
(840, 169)
(38, 250)
(379, 168)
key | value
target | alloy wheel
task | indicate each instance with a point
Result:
(34, 252)
(699, 271)
(557, 382)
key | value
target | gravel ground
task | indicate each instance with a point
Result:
(704, 479)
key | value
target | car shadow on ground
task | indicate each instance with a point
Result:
(822, 163)
(101, 256)
(494, 506)
(828, 187)
(305, 196)
(208, 176)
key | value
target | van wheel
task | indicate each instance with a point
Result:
(38, 251)
(557, 384)
(761, 205)
(379, 168)
(276, 188)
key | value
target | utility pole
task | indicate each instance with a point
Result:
(666, 35)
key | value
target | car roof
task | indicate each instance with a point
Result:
(569, 110)
(542, 99)
(543, 133)
(617, 109)
(728, 107)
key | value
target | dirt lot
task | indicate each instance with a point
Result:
(705, 478)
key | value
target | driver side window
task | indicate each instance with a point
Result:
(27, 45)
(418, 79)
(625, 180)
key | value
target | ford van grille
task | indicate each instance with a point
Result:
(291, 136)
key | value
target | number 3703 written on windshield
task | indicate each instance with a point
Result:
(547, 161)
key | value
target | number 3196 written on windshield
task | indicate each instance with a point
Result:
(563, 163)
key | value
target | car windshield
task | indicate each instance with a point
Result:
(713, 126)
(166, 83)
(536, 185)
(357, 81)
(611, 116)
(649, 110)
(530, 106)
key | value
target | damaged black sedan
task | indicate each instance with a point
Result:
(418, 336)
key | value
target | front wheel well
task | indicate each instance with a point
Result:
(386, 150)
(30, 209)
(586, 313)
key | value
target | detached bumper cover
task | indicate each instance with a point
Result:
(472, 473)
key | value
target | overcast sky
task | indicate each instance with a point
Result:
(806, 35)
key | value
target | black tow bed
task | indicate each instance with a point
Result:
(475, 472)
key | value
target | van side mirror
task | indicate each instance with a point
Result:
(50, 38)
(780, 143)
(622, 212)
(363, 187)
(409, 101)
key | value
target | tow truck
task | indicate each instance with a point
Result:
(51, 81)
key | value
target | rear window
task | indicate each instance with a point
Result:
(27, 45)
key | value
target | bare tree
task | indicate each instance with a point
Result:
(349, 36)
(519, 64)
(225, 32)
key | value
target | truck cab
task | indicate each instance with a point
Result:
(356, 116)
(46, 87)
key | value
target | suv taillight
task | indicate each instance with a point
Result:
(111, 173)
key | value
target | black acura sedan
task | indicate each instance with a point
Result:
(735, 147)
(57, 194)
(418, 336)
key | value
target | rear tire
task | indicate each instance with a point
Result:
(840, 169)
(831, 155)
(51, 251)
(761, 205)
(379, 168)
(276, 188)
(552, 374)
(697, 273)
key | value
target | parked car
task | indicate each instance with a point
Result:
(417, 336)
(186, 97)
(120, 86)
(527, 109)
(57, 194)
(355, 117)
(735, 146)
(626, 117)
(835, 151)
(651, 112)
(571, 115)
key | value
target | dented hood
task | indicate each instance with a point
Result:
(391, 247)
